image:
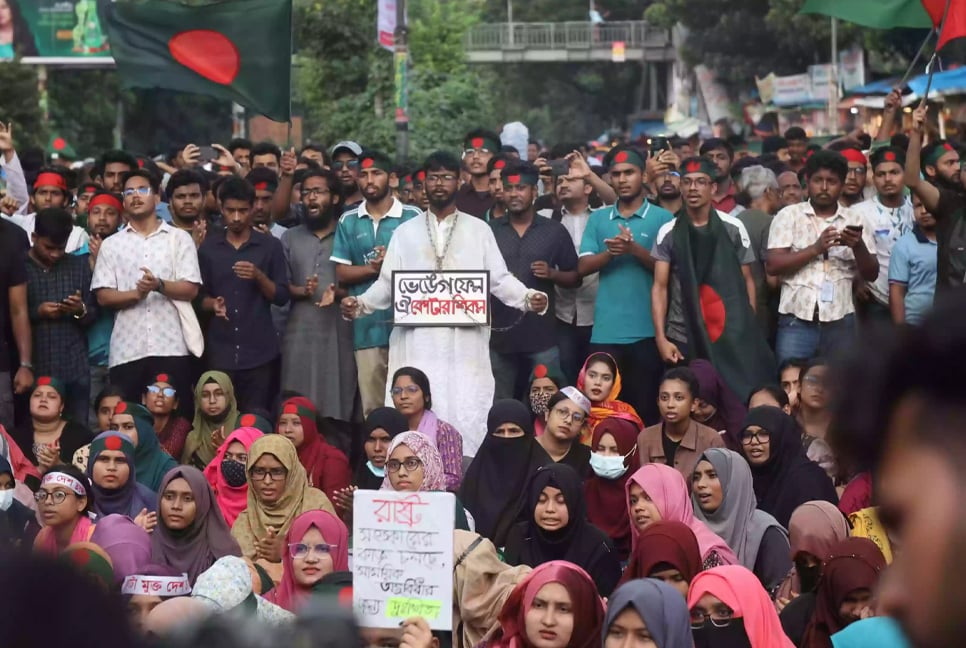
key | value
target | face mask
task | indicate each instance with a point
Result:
(233, 472)
(731, 636)
(6, 499)
(808, 576)
(539, 401)
(378, 472)
(607, 466)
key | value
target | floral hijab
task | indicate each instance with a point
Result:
(434, 477)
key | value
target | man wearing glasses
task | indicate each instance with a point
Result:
(140, 272)
(479, 146)
(456, 358)
(345, 162)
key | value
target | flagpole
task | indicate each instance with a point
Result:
(915, 60)
(935, 56)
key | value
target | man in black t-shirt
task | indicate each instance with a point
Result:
(14, 319)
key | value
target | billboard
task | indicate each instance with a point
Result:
(62, 29)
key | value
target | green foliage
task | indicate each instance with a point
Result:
(20, 104)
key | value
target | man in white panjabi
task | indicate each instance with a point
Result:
(456, 359)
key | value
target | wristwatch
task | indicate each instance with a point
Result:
(160, 287)
(27, 365)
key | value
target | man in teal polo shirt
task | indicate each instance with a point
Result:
(617, 243)
(360, 245)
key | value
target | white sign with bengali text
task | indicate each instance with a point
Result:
(446, 298)
(402, 557)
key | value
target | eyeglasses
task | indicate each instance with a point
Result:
(720, 617)
(57, 496)
(141, 191)
(567, 415)
(345, 164)
(409, 389)
(411, 464)
(476, 151)
(301, 550)
(274, 474)
(440, 179)
(859, 171)
(814, 381)
(695, 182)
(764, 436)
(315, 192)
(168, 392)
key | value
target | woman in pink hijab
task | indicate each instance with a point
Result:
(226, 472)
(729, 607)
(658, 492)
(316, 545)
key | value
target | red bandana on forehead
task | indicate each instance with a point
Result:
(499, 164)
(113, 443)
(105, 199)
(50, 179)
(477, 142)
(621, 157)
(855, 155)
(368, 163)
(694, 167)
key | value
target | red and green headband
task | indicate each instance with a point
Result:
(50, 179)
(265, 185)
(700, 165)
(936, 153)
(49, 381)
(375, 162)
(627, 156)
(107, 199)
(482, 142)
(112, 441)
(299, 410)
(513, 176)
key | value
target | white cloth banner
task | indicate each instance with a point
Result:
(386, 23)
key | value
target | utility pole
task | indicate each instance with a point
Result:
(401, 69)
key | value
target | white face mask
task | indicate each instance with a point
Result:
(378, 472)
(6, 499)
(607, 466)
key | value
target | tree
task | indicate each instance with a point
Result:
(20, 104)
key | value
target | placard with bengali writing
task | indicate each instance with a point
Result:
(402, 557)
(446, 298)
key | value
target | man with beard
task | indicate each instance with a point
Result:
(540, 253)
(912, 269)
(103, 220)
(186, 192)
(789, 188)
(495, 169)
(722, 154)
(345, 162)
(111, 168)
(243, 273)
(265, 182)
(574, 307)
(455, 358)
(889, 213)
(942, 196)
(818, 248)
(317, 360)
(361, 239)
(49, 191)
(853, 191)
(479, 147)
(668, 183)
(617, 243)
(702, 252)
(139, 272)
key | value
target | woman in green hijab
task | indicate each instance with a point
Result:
(216, 412)
(151, 462)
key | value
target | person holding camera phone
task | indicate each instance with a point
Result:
(818, 248)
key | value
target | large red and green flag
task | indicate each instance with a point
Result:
(888, 14)
(238, 50)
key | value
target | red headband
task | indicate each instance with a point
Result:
(50, 179)
(855, 155)
(105, 199)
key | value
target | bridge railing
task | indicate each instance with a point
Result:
(565, 35)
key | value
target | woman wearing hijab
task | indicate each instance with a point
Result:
(66, 504)
(814, 528)
(382, 426)
(113, 476)
(667, 551)
(161, 399)
(47, 439)
(414, 465)
(278, 492)
(411, 395)
(326, 467)
(567, 410)
(316, 544)
(845, 592)
(730, 609)
(784, 477)
(151, 463)
(216, 410)
(226, 472)
(128, 545)
(481, 585)
(613, 459)
(600, 381)
(724, 499)
(556, 528)
(555, 606)
(716, 405)
(15, 517)
(647, 608)
(658, 492)
(544, 383)
(192, 533)
(507, 458)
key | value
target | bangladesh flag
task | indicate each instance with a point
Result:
(239, 50)
(721, 324)
(887, 14)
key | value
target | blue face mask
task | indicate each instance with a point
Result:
(378, 472)
(607, 466)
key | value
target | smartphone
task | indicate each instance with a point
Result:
(207, 153)
(854, 228)
(659, 144)
(560, 167)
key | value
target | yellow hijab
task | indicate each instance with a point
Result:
(297, 498)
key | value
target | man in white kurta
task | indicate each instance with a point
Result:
(456, 359)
